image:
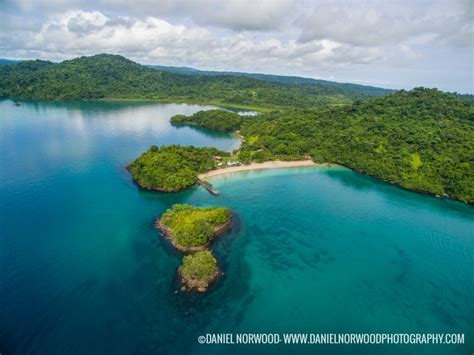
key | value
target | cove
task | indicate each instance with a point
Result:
(83, 270)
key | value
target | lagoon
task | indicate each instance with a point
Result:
(315, 250)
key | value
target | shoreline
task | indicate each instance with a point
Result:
(218, 104)
(272, 164)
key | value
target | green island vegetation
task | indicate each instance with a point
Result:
(172, 168)
(421, 139)
(198, 271)
(191, 228)
(115, 77)
(217, 119)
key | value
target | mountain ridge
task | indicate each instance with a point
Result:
(114, 76)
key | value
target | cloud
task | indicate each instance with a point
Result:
(297, 37)
(155, 40)
(232, 14)
(377, 23)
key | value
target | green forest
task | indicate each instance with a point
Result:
(193, 226)
(172, 168)
(220, 120)
(421, 139)
(199, 268)
(115, 77)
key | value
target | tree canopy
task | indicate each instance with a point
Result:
(221, 120)
(192, 226)
(200, 267)
(113, 76)
(172, 168)
(421, 139)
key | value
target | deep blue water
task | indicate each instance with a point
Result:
(314, 250)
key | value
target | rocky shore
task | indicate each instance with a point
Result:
(191, 230)
(189, 284)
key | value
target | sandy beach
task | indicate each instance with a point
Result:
(259, 166)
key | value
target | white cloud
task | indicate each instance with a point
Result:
(233, 14)
(154, 40)
(375, 23)
(297, 37)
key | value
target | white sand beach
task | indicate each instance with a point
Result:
(276, 164)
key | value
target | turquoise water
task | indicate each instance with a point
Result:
(314, 250)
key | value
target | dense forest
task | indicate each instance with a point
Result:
(191, 229)
(172, 168)
(112, 76)
(220, 120)
(282, 79)
(421, 139)
(192, 226)
(198, 270)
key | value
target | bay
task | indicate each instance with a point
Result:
(313, 250)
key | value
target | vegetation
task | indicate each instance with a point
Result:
(198, 270)
(369, 91)
(112, 76)
(172, 168)
(191, 227)
(221, 120)
(421, 139)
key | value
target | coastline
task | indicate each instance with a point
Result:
(273, 164)
(189, 285)
(219, 104)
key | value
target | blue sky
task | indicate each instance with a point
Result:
(395, 44)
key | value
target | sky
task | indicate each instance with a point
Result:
(393, 44)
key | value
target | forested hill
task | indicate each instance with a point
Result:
(370, 91)
(113, 76)
(421, 139)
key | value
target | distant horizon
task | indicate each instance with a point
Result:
(236, 71)
(396, 45)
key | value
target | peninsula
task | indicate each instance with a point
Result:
(421, 140)
(172, 168)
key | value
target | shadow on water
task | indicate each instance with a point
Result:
(109, 288)
(362, 182)
(206, 131)
(228, 298)
(84, 106)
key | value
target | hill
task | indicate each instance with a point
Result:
(370, 91)
(113, 76)
(421, 139)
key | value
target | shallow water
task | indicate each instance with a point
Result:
(315, 250)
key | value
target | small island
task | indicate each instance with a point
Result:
(173, 168)
(217, 119)
(190, 228)
(198, 271)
